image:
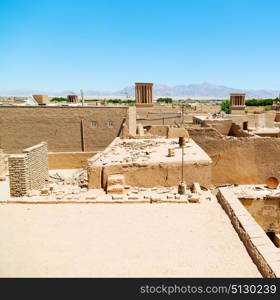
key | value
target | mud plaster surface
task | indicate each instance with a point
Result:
(193, 240)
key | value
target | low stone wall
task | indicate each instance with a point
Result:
(262, 251)
(28, 171)
(69, 160)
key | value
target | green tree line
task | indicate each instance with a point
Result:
(225, 106)
(164, 100)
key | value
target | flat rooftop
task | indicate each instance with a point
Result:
(258, 191)
(152, 151)
(266, 130)
(133, 240)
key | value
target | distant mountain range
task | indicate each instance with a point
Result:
(196, 91)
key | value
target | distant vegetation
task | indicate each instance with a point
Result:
(225, 106)
(119, 101)
(260, 102)
(58, 99)
(251, 102)
(164, 100)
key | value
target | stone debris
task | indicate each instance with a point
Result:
(115, 179)
(155, 198)
(194, 198)
(196, 188)
(2, 178)
(76, 190)
(117, 197)
(115, 189)
(45, 191)
(134, 197)
(115, 184)
(92, 197)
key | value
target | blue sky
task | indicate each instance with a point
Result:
(110, 44)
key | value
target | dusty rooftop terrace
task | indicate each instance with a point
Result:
(136, 240)
(152, 151)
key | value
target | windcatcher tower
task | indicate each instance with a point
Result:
(144, 94)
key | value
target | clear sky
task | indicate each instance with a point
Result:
(110, 44)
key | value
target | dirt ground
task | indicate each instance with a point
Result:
(129, 240)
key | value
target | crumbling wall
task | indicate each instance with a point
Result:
(69, 160)
(163, 174)
(265, 211)
(239, 160)
(236, 130)
(3, 163)
(157, 130)
(222, 125)
(148, 174)
(28, 171)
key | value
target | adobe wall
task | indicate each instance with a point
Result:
(222, 125)
(237, 131)
(163, 174)
(69, 160)
(3, 163)
(239, 160)
(261, 120)
(157, 130)
(204, 108)
(66, 129)
(158, 115)
(265, 211)
(277, 117)
(151, 174)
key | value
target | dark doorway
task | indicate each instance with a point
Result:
(245, 125)
(271, 235)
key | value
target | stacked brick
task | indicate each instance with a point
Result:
(19, 175)
(28, 171)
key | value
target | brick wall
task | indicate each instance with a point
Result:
(19, 175)
(28, 171)
(37, 161)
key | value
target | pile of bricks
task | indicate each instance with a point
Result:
(28, 171)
